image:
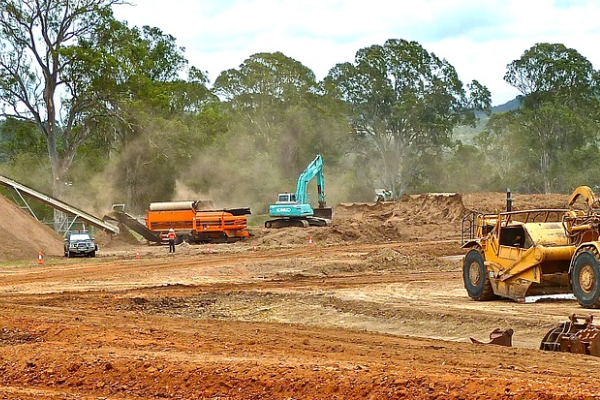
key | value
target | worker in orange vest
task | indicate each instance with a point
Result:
(171, 236)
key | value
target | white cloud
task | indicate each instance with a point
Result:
(478, 37)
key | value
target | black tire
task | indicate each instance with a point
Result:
(92, 254)
(268, 224)
(585, 278)
(475, 277)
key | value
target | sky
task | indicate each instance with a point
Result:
(478, 37)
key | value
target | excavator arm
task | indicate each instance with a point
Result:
(314, 169)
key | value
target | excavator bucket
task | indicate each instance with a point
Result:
(323, 212)
(578, 335)
(498, 337)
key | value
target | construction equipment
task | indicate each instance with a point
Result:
(577, 335)
(86, 217)
(515, 254)
(382, 195)
(293, 209)
(193, 221)
(499, 337)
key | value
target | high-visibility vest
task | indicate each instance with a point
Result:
(171, 235)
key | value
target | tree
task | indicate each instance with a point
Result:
(128, 69)
(561, 92)
(18, 138)
(552, 72)
(35, 37)
(266, 78)
(277, 101)
(264, 86)
(404, 102)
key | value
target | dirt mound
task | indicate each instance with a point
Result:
(400, 220)
(426, 216)
(21, 236)
(496, 202)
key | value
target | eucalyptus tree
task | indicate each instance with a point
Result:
(266, 78)
(277, 103)
(35, 39)
(404, 102)
(560, 94)
(264, 86)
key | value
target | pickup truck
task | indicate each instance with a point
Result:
(79, 243)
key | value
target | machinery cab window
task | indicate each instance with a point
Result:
(286, 198)
(513, 236)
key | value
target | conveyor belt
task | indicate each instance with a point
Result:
(132, 223)
(57, 204)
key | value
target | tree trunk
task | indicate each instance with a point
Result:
(60, 217)
(545, 170)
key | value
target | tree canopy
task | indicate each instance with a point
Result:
(405, 102)
(559, 116)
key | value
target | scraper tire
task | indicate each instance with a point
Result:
(585, 278)
(475, 277)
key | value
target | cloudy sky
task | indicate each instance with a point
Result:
(478, 37)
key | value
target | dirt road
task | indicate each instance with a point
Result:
(337, 321)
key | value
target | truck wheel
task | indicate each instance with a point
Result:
(92, 254)
(475, 276)
(268, 224)
(585, 278)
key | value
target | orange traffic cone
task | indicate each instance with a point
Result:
(254, 247)
(310, 242)
(137, 254)
(40, 257)
(207, 250)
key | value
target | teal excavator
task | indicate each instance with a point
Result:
(293, 209)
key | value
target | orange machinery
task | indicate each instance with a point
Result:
(195, 223)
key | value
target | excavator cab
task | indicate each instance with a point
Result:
(286, 198)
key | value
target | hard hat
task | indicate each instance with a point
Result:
(171, 230)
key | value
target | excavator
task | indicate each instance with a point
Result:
(293, 209)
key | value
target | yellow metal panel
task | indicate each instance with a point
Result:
(548, 234)
(525, 267)
(510, 252)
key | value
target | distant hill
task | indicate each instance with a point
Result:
(508, 106)
(467, 133)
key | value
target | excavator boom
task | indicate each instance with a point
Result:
(314, 169)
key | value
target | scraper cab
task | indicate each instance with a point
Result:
(515, 254)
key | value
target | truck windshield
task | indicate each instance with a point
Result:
(79, 236)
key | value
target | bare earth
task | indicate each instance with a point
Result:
(373, 309)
